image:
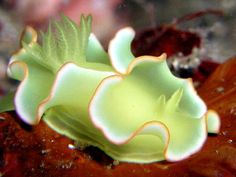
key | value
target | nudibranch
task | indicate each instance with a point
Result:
(134, 109)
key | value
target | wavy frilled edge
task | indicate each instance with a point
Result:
(29, 35)
(18, 69)
(96, 96)
(124, 38)
(154, 125)
(123, 61)
(159, 127)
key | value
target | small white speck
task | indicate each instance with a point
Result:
(116, 162)
(220, 89)
(71, 146)
(45, 151)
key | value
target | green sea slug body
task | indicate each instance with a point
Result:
(133, 109)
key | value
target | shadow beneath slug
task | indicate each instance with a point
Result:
(21, 123)
(98, 155)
